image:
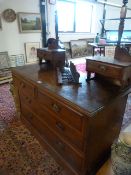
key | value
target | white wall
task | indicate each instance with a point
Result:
(97, 9)
(11, 39)
(112, 12)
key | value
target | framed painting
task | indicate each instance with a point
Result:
(31, 51)
(0, 23)
(29, 22)
(17, 60)
(4, 60)
(79, 48)
(20, 60)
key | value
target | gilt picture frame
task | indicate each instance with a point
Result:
(31, 51)
(29, 22)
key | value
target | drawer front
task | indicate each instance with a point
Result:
(72, 158)
(26, 88)
(104, 69)
(70, 116)
(16, 82)
(27, 100)
(61, 128)
(71, 135)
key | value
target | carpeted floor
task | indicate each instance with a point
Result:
(20, 152)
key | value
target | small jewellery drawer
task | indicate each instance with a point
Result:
(73, 158)
(104, 69)
(70, 116)
(70, 134)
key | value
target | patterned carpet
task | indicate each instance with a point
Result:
(81, 67)
(20, 152)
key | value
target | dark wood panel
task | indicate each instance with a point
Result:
(61, 147)
(72, 117)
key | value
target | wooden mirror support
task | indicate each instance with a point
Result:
(116, 71)
(122, 53)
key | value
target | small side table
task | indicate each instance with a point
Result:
(56, 57)
(98, 49)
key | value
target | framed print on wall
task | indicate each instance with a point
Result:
(31, 51)
(29, 22)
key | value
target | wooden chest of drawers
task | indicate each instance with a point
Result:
(113, 70)
(76, 124)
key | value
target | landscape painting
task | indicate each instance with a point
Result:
(29, 22)
(79, 48)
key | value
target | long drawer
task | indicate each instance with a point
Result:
(72, 157)
(70, 116)
(104, 69)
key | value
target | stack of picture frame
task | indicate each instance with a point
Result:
(6, 63)
(5, 73)
(17, 60)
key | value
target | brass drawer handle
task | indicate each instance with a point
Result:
(55, 107)
(60, 126)
(103, 68)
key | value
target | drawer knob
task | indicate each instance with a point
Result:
(103, 68)
(60, 126)
(55, 107)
